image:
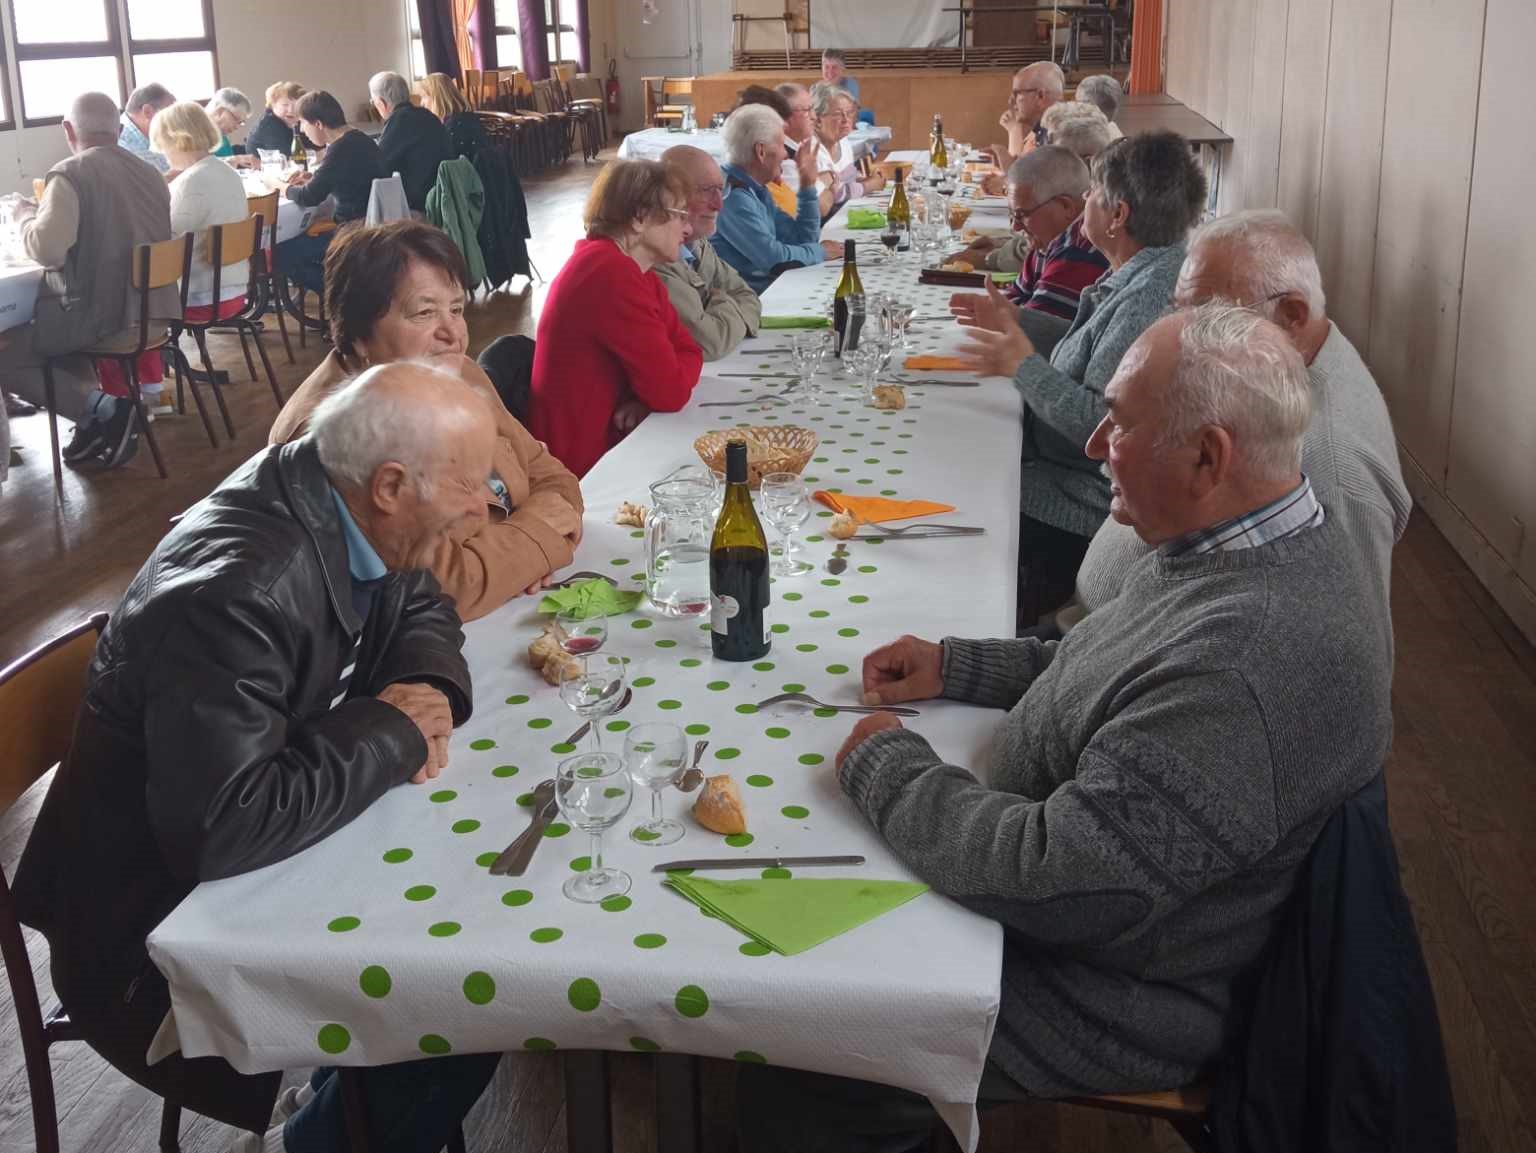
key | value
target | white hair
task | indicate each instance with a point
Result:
(389, 87)
(1240, 372)
(1049, 75)
(361, 426)
(1050, 171)
(232, 100)
(1270, 259)
(824, 96)
(1078, 126)
(746, 128)
(1104, 92)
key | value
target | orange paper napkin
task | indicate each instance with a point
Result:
(874, 509)
(935, 364)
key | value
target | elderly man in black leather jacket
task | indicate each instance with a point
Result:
(279, 663)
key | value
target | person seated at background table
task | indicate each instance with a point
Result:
(834, 71)
(1146, 192)
(753, 236)
(1161, 774)
(711, 299)
(396, 293)
(1260, 260)
(206, 192)
(1079, 127)
(441, 97)
(783, 187)
(610, 347)
(1105, 93)
(143, 102)
(836, 113)
(229, 109)
(414, 141)
(352, 163)
(281, 661)
(279, 121)
(1035, 88)
(96, 206)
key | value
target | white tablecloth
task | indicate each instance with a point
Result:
(19, 284)
(390, 939)
(650, 143)
(989, 214)
(291, 218)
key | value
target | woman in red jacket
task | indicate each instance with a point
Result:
(610, 347)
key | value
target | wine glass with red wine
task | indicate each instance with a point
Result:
(579, 635)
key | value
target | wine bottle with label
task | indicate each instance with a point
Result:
(738, 569)
(938, 155)
(898, 217)
(848, 302)
(299, 156)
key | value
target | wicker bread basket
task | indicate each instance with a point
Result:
(770, 448)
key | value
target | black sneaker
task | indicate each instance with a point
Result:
(89, 439)
(122, 437)
(15, 406)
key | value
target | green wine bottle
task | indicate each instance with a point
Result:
(738, 568)
(898, 217)
(848, 302)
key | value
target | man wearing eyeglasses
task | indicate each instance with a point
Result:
(1035, 88)
(713, 302)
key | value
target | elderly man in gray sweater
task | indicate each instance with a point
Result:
(1161, 773)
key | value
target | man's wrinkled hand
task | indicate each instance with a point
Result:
(429, 711)
(866, 728)
(805, 164)
(908, 669)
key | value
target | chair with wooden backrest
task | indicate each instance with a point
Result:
(560, 125)
(1186, 1110)
(39, 696)
(657, 113)
(675, 86)
(490, 87)
(586, 91)
(472, 90)
(263, 282)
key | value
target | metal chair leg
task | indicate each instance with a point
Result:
(250, 365)
(183, 371)
(170, 1128)
(213, 380)
(131, 371)
(588, 1120)
(50, 402)
(261, 350)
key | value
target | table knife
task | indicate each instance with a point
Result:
(755, 863)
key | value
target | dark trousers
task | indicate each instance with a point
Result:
(301, 260)
(791, 1111)
(1049, 558)
(413, 1107)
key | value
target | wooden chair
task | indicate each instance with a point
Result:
(39, 696)
(490, 87)
(583, 93)
(1186, 1110)
(154, 266)
(656, 89)
(263, 282)
(472, 89)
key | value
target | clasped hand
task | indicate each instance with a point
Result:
(429, 711)
(909, 669)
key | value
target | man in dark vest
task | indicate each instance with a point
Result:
(96, 206)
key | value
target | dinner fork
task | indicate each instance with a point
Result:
(582, 576)
(807, 699)
(734, 403)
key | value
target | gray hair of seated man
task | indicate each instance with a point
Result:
(1270, 259)
(1047, 75)
(93, 114)
(1104, 92)
(231, 100)
(389, 87)
(1050, 171)
(790, 91)
(746, 128)
(1240, 372)
(156, 95)
(365, 423)
(825, 97)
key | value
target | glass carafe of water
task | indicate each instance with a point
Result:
(677, 536)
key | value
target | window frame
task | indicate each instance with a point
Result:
(207, 42)
(67, 50)
(7, 121)
(554, 28)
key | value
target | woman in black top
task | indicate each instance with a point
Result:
(352, 163)
(273, 132)
(441, 97)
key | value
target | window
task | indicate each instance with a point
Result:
(7, 120)
(64, 48)
(562, 36)
(171, 42)
(418, 53)
(509, 53)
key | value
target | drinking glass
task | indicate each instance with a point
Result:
(900, 313)
(578, 635)
(594, 791)
(809, 348)
(890, 237)
(655, 755)
(787, 507)
(593, 691)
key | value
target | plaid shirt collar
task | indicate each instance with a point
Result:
(1295, 511)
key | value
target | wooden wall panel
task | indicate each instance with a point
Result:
(1179, 79)
(1258, 157)
(1345, 230)
(1421, 222)
(1303, 108)
(1492, 469)
(1239, 87)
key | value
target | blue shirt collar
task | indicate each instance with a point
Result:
(687, 256)
(363, 561)
(742, 175)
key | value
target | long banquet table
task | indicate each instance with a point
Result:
(389, 939)
(650, 143)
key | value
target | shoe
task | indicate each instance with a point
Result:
(15, 406)
(90, 438)
(289, 1102)
(122, 438)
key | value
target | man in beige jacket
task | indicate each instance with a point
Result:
(713, 302)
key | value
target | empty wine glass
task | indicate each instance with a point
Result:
(593, 691)
(580, 634)
(900, 314)
(655, 755)
(787, 507)
(809, 347)
(594, 791)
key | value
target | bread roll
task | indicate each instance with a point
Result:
(719, 808)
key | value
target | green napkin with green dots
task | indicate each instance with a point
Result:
(865, 218)
(590, 598)
(792, 914)
(793, 322)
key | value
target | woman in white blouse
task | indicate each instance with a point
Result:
(205, 192)
(836, 113)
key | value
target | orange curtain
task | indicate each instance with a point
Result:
(463, 13)
(1147, 47)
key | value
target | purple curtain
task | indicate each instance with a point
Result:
(437, 39)
(583, 38)
(531, 34)
(483, 32)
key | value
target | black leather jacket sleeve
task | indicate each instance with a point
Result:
(426, 645)
(238, 780)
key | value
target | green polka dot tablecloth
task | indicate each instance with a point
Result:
(389, 940)
(987, 213)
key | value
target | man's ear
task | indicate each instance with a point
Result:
(1292, 313)
(1214, 463)
(387, 487)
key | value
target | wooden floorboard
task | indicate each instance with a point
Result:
(1461, 784)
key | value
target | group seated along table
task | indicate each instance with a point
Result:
(389, 939)
(650, 143)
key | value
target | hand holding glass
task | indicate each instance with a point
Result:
(787, 507)
(655, 755)
(594, 791)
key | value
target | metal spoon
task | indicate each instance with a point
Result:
(515, 857)
(629, 695)
(693, 777)
(839, 561)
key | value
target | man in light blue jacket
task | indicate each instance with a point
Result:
(752, 235)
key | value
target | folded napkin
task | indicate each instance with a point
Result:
(1004, 277)
(935, 364)
(792, 915)
(865, 218)
(590, 598)
(875, 509)
(793, 322)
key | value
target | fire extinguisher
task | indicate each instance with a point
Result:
(611, 89)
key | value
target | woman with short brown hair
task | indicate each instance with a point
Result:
(274, 131)
(396, 293)
(610, 348)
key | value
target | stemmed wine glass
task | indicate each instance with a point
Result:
(900, 314)
(594, 791)
(655, 755)
(593, 691)
(890, 237)
(787, 507)
(809, 347)
(579, 634)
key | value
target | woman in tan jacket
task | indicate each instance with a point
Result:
(396, 293)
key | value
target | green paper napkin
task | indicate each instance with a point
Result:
(590, 598)
(793, 322)
(793, 915)
(865, 218)
(1004, 277)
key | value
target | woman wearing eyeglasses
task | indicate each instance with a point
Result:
(836, 113)
(610, 346)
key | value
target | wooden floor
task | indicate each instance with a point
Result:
(1462, 781)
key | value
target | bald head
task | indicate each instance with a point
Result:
(91, 122)
(1035, 88)
(706, 187)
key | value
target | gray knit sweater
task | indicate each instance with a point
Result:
(1350, 456)
(1064, 396)
(1159, 779)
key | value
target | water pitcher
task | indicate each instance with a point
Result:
(677, 535)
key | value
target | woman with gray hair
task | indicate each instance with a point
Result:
(1145, 193)
(836, 113)
(1104, 92)
(1078, 127)
(229, 110)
